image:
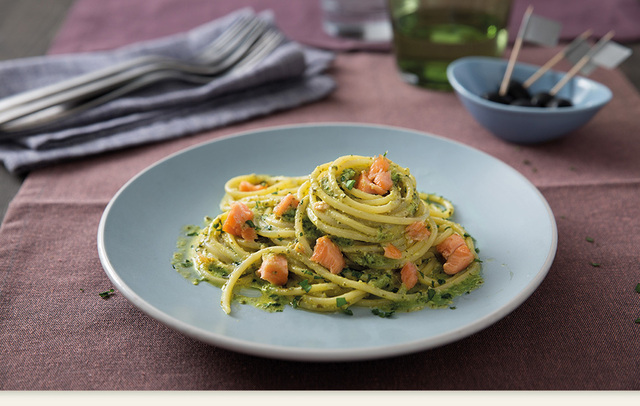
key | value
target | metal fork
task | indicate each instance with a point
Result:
(258, 51)
(228, 50)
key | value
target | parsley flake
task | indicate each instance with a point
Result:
(381, 313)
(106, 294)
(430, 294)
(304, 284)
(350, 184)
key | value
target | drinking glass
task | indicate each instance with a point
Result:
(430, 34)
(366, 20)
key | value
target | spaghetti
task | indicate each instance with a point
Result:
(355, 232)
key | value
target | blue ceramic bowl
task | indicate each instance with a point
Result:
(473, 77)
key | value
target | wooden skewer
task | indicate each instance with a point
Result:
(514, 55)
(581, 63)
(551, 63)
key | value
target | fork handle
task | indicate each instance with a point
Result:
(95, 88)
(61, 111)
(31, 96)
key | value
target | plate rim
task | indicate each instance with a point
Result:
(323, 354)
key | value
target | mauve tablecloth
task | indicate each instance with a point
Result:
(577, 331)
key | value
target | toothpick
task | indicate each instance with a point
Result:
(551, 62)
(581, 63)
(514, 54)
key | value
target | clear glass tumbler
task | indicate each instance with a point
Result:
(366, 20)
(430, 34)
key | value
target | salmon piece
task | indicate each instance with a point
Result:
(328, 254)
(248, 233)
(364, 183)
(288, 202)
(382, 179)
(409, 275)
(417, 231)
(449, 245)
(457, 254)
(274, 269)
(245, 186)
(461, 258)
(391, 251)
(379, 173)
(380, 164)
(236, 222)
(376, 180)
(320, 206)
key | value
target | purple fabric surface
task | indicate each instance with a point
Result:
(302, 20)
(576, 16)
(576, 332)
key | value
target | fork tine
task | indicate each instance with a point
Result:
(231, 33)
(265, 45)
(245, 44)
(251, 53)
(228, 40)
(259, 50)
(244, 32)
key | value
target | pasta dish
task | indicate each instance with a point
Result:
(355, 232)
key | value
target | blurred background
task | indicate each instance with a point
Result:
(28, 26)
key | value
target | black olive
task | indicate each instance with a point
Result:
(541, 99)
(557, 102)
(517, 91)
(523, 102)
(496, 97)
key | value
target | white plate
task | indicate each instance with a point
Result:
(511, 221)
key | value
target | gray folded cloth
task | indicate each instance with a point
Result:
(292, 75)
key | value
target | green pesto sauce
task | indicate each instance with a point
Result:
(372, 260)
(259, 293)
(439, 298)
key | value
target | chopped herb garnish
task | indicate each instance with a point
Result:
(430, 294)
(107, 294)
(356, 273)
(350, 184)
(638, 320)
(381, 313)
(638, 288)
(347, 174)
(304, 284)
(296, 301)
(340, 301)
(595, 264)
(589, 239)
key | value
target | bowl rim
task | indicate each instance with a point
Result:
(463, 91)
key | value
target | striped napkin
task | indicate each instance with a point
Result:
(290, 76)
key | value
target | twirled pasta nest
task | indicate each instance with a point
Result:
(391, 242)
